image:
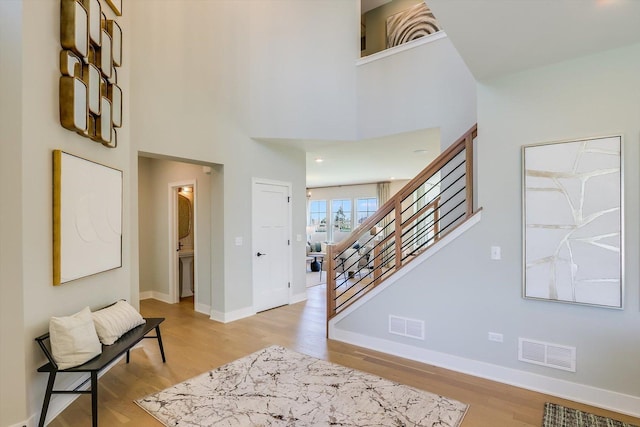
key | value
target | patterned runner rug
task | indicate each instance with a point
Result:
(560, 416)
(279, 387)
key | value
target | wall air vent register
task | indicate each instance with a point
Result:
(547, 354)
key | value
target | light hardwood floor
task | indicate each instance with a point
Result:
(195, 344)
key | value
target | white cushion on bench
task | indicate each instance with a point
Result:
(73, 339)
(114, 321)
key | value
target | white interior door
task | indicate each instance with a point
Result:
(271, 225)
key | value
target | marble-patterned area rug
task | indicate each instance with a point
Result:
(279, 387)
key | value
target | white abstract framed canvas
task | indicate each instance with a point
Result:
(87, 218)
(573, 221)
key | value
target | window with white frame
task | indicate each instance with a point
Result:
(341, 214)
(365, 208)
(318, 215)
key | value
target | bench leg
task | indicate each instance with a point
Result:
(47, 399)
(127, 356)
(94, 399)
(164, 360)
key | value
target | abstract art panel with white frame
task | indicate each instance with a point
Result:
(572, 225)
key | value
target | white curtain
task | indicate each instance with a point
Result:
(382, 193)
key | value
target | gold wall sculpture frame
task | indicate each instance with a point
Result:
(116, 6)
(92, 51)
(87, 218)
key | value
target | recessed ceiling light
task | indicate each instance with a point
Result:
(319, 160)
(392, 178)
(420, 151)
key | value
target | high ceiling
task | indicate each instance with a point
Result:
(494, 38)
(393, 157)
(367, 5)
(499, 37)
(399, 156)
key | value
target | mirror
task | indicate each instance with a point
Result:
(184, 216)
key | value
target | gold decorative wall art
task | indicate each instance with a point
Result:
(90, 98)
(95, 21)
(73, 104)
(70, 64)
(74, 27)
(116, 6)
(91, 76)
(115, 32)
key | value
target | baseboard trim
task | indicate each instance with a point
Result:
(230, 316)
(160, 296)
(601, 398)
(202, 308)
(145, 295)
(298, 298)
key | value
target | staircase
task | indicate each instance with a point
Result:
(434, 203)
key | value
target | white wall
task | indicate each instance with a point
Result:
(301, 63)
(35, 112)
(462, 294)
(428, 86)
(146, 229)
(192, 100)
(13, 381)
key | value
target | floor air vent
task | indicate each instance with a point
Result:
(547, 354)
(411, 328)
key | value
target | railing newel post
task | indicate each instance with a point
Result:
(331, 284)
(398, 233)
(377, 264)
(469, 173)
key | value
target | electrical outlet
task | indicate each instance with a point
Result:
(495, 337)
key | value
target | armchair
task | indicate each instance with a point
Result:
(355, 260)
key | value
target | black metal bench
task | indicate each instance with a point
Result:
(95, 365)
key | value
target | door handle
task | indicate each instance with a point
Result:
(259, 254)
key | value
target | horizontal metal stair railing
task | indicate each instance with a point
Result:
(430, 206)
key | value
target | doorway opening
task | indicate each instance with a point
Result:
(170, 252)
(182, 237)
